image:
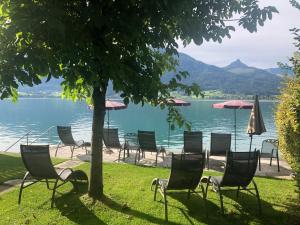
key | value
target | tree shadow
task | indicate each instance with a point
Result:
(134, 213)
(11, 167)
(74, 209)
(247, 206)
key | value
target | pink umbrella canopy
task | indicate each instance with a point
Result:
(175, 102)
(233, 104)
(111, 105)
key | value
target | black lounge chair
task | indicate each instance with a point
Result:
(186, 172)
(239, 172)
(66, 139)
(220, 144)
(131, 143)
(192, 142)
(111, 140)
(147, 143)
(269, 149)
(36, 159)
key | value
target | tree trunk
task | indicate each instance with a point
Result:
(96, 178)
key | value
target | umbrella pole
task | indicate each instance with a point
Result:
(235, 130)
(108, 119)
(250, 142)
(169, 134)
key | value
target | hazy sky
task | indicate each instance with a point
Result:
(271, 44)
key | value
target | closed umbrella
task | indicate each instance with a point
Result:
(233, 104)
(112, 105)
(256, 124)
(175, 102)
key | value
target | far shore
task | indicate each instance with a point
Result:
(192, 99)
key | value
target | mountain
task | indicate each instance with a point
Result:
(236, 78)
(280, 71)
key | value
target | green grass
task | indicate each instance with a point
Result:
(11, 166)
(129, 200)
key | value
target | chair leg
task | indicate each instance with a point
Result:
(237, 192)
(271, 157)
(53, 193)
(208, 162)
(57, 149)
(155, 191)
(206, 188)
(72, 151)
(47, 183)
(189, 194)
(258, 198)
(204, 199)
(259, 166)
(166, 205)
(221, 199)
(21, 187)
(278, 168)
(119, 155)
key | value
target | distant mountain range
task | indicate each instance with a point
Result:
(236, 78)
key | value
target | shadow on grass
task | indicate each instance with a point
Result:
(135, 213)
(247, 207)
(11, 167)
(74, 209)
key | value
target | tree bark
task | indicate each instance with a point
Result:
(96, 173)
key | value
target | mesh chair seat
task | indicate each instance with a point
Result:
(239, 172)
(220, 144)
(192, 142)
(36, 159)
(147, 143)
(66, 139)
(186, 171)
(269, 149)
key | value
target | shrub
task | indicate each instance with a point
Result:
(287, 120)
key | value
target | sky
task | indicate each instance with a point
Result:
(271, 44)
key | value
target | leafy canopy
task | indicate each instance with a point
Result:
(130, 42)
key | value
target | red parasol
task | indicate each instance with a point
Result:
(233, 104)
(111, 105)
(175, 102)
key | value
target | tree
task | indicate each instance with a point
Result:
(287, 115)
(129, 42)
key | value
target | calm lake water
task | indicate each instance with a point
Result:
(38, 114)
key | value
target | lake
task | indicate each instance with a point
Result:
(38, 114)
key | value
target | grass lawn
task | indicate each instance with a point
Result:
(129, 200)
(11, 166)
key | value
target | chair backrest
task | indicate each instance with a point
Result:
(268, 145)
(219, 144)
(240, 168)
(186, 171)
(147, 141)
(65, 135)
(111, 138)
(192, 142)
(36, 159)
(131, 141)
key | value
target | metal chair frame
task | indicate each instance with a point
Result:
(229, 181)
(66, 139)
(275, 143)
(163, 185)
(54, 177)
